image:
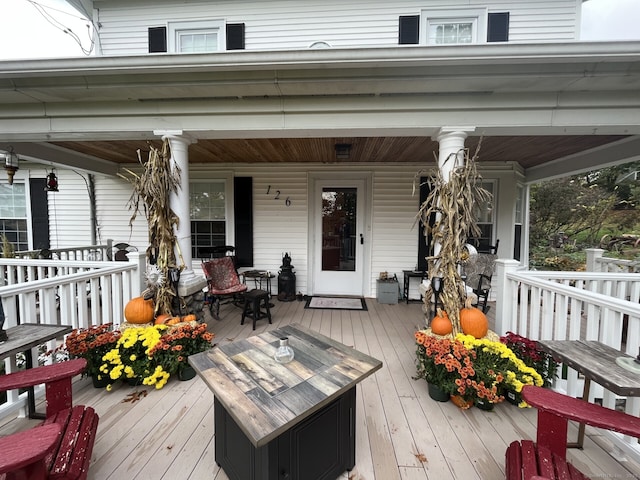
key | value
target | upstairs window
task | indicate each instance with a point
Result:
(203, 36)
(445, 32)
(453, 26)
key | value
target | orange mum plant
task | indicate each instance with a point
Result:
(175, 346)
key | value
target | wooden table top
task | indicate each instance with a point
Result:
(266, 398)
(28, 335)
(596, 361)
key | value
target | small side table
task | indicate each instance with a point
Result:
(258, 277)
(408, 275)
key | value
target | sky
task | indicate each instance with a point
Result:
(26, 33)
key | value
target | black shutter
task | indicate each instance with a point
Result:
(498, 27)
(157, 39)
(243, 208)
(409, 30)
(424, 242)
(39, 213)
(235, 36)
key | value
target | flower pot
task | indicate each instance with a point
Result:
(483, 404)
(101, 382)
(133, 381)
(512, 397)
(186, 373)
(436, 393)
(461, 402)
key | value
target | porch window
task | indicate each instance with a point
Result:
(208, 204)
(486, 218)
(13, 215)
(517, 229)
(454, 27)
(196, 37)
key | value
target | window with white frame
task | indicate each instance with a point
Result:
(201, 36)
(486, 218)
(13, 215)
(208, 205)
(453, 27)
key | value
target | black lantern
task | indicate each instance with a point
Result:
(437, 284)
(11, 165)
(286, 281)
(52, 183)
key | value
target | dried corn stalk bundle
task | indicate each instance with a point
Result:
(449, 215)
(151, 193)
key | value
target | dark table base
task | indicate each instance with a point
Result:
(320, 447)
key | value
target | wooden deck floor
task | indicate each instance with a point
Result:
(401, 432)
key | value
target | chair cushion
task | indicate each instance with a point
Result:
(222, 276)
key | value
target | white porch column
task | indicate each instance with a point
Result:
(179, 203)
(451, 140)
(450, 154)
(507, 297)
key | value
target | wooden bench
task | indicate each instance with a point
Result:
(547, 457)
(61, 446)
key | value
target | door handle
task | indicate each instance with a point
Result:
(361, 240)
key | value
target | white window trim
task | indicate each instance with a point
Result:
(227, 179)
(175, 28)
(478, 16)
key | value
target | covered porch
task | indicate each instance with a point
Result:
(401, 432)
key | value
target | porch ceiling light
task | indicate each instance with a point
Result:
(343, 151)
(10, 164)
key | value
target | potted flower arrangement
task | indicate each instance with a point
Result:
(175, 346)
(474, 371)
(533, 356)
(494, 358)
(130, 359)
(92, 344)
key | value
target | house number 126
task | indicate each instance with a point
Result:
(287, 202)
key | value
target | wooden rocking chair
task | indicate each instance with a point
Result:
(223, 283)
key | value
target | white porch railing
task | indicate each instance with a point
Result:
(603, 306)
(65, 292)
(88, 252)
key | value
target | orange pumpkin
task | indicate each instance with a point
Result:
(189, 318)
(173, 321)
(440, 324)
(138, 310)
(472, 321)
(162, 318)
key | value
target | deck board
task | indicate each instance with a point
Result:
(401, 433)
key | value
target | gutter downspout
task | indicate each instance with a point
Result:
(92, 209)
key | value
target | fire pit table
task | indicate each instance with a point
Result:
(294, 420)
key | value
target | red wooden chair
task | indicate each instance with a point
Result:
(61, 446)
(547, 457)
(223, 282)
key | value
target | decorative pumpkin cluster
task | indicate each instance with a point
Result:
(472, 321)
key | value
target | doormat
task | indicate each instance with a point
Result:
(337, 303)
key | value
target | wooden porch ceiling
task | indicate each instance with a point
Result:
(528, 151)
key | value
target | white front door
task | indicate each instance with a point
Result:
(339, 237)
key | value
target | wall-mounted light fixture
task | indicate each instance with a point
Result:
(10, 164)
(343, 151)
(52, 183)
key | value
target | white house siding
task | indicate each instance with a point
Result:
(292, 24)
(277, 228)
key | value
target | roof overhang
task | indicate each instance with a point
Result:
(507, 90)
